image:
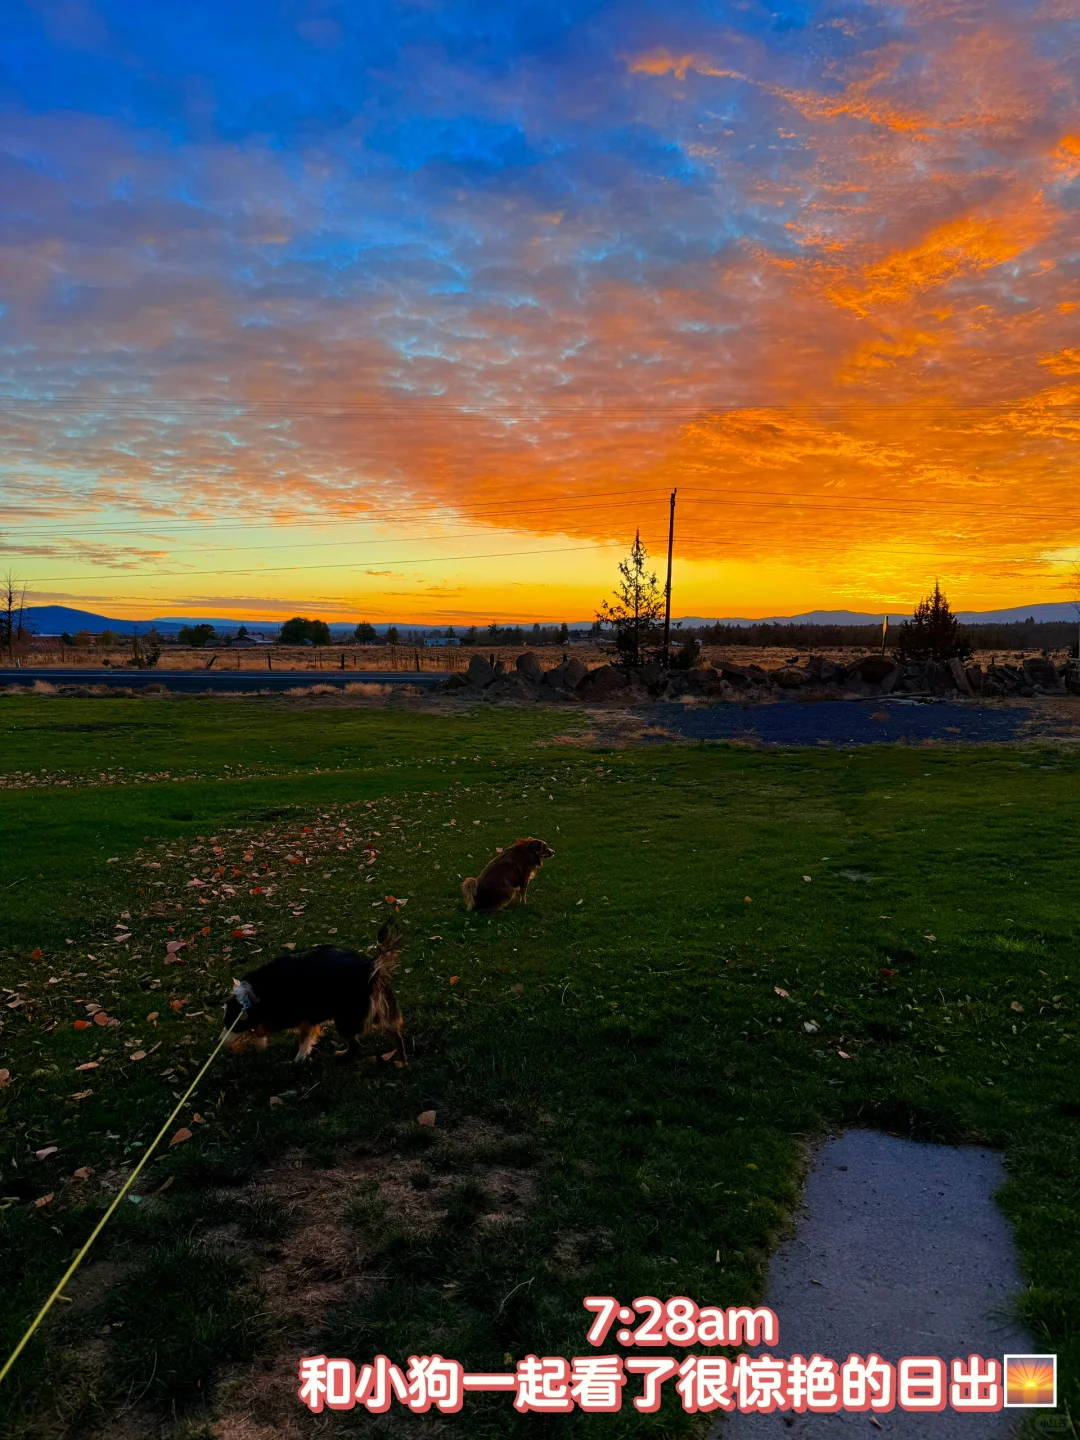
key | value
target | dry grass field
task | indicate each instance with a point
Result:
(349, 658)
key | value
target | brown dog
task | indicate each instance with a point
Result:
(507, 877)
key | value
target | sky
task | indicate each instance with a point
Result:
(419, 310)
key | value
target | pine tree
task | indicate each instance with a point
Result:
(638, 612)
(932, 633)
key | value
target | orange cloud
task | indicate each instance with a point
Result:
(1067, 156)
(1065, 362)
(960, 248)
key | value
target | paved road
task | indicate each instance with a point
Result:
(878, 722)
(194, 681)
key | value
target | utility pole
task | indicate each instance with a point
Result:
(667, 589)
(884, 629)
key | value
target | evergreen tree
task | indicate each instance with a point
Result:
(932, 633)
(638, 612)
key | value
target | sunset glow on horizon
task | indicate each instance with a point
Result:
(417, 311)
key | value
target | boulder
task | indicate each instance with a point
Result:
(959, 676)
(703, 675)
(1042, 675)
(975, 678)
(819, 668)
(933, 678)
(529, 667)
(500, 669)
(480, 673)
(872, 670)
(653, 674)
(603, 683)
(568, 675)
(734, 674)
(789, 678)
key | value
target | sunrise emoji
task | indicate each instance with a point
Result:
(1030, 1380)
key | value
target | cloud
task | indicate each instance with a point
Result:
(446, 262)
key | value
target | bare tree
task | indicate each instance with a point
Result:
(10, 588)
(1075, 588)
(13, 603)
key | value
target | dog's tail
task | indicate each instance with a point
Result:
(468, 893)
(383, 1011)
(388, 953)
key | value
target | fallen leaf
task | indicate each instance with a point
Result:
(747, 900)
(152, 1017)
(782, 993)
(44, 1154)
(175, 1005)
(5, 1078)
(843, 1055)
(807, 879)
(35, 954)
(181, 1135)
(205, 930)
(929, 937)
(887, 974)
(810, 1027)
(454, 979)
(198, 1119)
(89, 1065)
(44, 1200)
(82, 1094)
(751, 1165)
(83, 1173)
(389, 1055)
(162, 1188)
(426, 1117)
(82, 1024)
(275, 1100)
(581, 902)
(138, 1055)
(100, 1017)
(1017, 1007)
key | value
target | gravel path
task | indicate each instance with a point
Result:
(841, 723)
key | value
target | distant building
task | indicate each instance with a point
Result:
(442, 640)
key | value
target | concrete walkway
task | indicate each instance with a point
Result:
(899, 1250)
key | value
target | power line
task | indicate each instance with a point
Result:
(347, 565)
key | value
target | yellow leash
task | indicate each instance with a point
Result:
(81, 1256)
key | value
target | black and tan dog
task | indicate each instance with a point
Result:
(302, 991)
(507, 877)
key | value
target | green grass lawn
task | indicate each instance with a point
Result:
(617, 1057)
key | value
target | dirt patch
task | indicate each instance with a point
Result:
(333, 1219)
(615, 730)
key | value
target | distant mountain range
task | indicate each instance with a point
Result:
(55, 619)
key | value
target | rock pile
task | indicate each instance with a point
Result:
(817, 678)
